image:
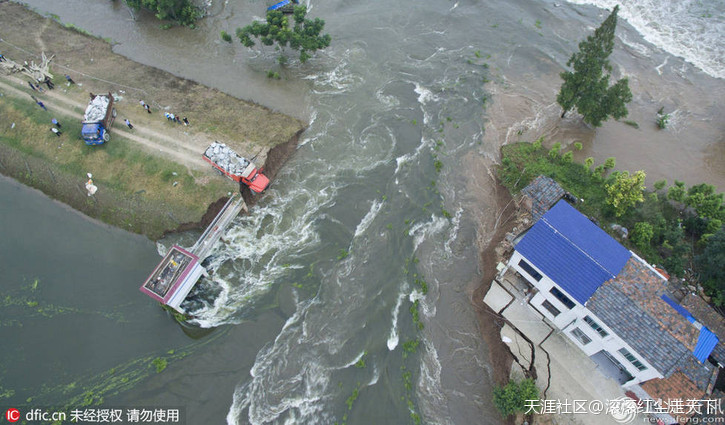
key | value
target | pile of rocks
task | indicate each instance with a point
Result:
(226, 158)
(96, 110)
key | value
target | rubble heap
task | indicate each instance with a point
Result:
(96, 109)
(227, 159)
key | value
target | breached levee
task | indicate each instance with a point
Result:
(151, 179)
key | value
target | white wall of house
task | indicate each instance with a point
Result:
(571, 322)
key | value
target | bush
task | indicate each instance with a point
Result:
(226, 37)
(710, 264)
(662, 121)
(511, 399)
(578, 146)
(568, 157)
(554, 151)
(610, 163)
(642, 235)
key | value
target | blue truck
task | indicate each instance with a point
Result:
(98, 119)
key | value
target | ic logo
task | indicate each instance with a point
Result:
(12, 415)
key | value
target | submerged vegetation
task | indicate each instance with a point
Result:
(304, 35)
(182, 12)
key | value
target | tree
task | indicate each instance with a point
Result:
(303, 36)
(587, 88)
(625, 191)
(710, 265)
(642, 235)
(511, 399)
(180, 11)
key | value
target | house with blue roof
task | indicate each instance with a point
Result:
(613, 305)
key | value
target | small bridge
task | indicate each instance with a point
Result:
(178, 272)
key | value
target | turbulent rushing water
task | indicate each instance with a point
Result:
(319, 279)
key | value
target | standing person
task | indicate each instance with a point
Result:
(49, 83)
(2, 58)
(128, 123)
(142, 103)
(148, 109)
(56, 131)
(186, 122)
(69, 79)
(41, 104)
(172, 117)
(55, 121)
(32, 86)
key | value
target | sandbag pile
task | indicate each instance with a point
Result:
(96, 110)
(226, 158)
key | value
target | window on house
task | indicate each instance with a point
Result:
(627, 355)
(561, 297)
(596, 326)
(550, 307)
(581, 336)
(530, 270)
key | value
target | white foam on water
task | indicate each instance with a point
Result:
(369, 217)
(161, 249)
(337, 80)
(393, 338)
(453, 234)
(424, 94)
(355, 360)
(423, 230)
(691, 29)
(432, 401)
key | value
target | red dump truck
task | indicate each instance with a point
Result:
(235, 166)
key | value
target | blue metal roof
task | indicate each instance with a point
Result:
(572, 251)
(680, 309)
(706, 341)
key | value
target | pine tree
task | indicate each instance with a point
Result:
(587, 88)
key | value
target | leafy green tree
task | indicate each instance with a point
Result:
(180, 11)
(705, 201)
(642, 235)
(625, 191)
(710, 266)
(677, 192)
(304, 35)
(511, 399)
(587, 87)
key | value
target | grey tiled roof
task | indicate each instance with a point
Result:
(699, 373)
(544, 192)
(637, 328)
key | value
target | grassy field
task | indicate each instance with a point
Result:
(137, 191)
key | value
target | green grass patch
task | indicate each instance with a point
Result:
(138, 191)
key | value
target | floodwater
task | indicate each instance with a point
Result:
(311, 300)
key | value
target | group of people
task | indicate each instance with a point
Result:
(56, 127)
(175, 118)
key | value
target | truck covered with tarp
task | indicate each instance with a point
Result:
(98, 119)
(235, 166)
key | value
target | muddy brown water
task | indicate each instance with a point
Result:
(322, 273)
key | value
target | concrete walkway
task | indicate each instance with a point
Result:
(570, 374)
